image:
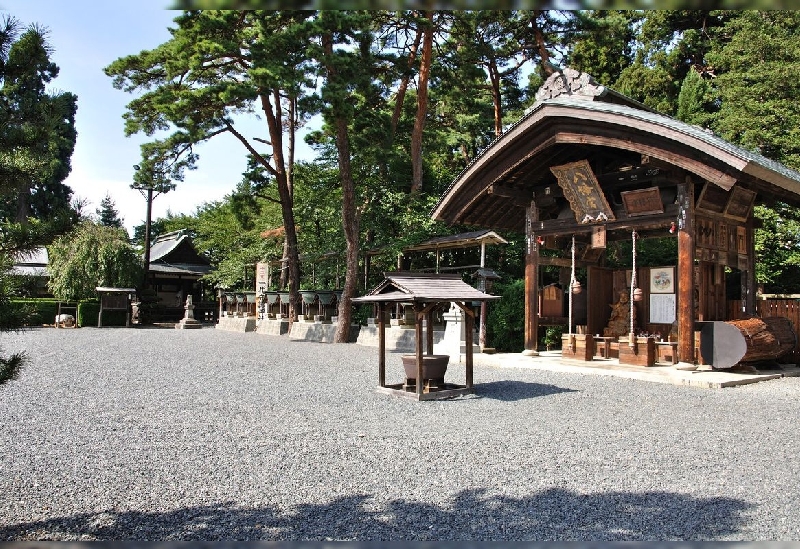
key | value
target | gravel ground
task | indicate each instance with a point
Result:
(158, 434)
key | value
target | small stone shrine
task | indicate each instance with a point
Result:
(188, 321)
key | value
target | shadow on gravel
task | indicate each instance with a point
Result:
(553, 514)
(517, 390)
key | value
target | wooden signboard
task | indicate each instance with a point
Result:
(599, 237)
(642, 202)
(713, 198)
(586, 198)
(740, 203)
(115, 302)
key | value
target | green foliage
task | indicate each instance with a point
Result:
(505, 319)
(107, 213)
(37, 129)
(11, 366)
(89, 310)
(92, 256)
(603, 44)
(40, 311)
(649, 251)
(552, 337)
(777, 244)
(695, 104)
(757, 86)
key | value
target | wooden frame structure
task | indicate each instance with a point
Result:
(425, 292)
(581, 147)
(114, 299)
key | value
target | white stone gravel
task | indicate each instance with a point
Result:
(158, 434)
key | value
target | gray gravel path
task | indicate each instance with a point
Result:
(157, 434)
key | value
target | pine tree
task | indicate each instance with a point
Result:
(107, 213)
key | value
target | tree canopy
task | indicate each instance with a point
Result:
(89, 256)
(407, 98)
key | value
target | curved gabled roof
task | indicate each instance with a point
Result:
(570, 127)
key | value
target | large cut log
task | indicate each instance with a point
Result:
(768, 338)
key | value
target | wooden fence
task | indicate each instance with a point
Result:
(787, 308)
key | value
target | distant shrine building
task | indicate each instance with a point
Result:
(589, 164)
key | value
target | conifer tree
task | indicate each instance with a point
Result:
(107, 213)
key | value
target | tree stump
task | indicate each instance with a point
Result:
(767, 339)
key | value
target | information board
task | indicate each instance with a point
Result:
(662, 308)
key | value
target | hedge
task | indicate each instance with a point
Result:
(44, 310)
(89, 310)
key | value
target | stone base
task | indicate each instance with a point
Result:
(323, 333)
(398, 338)
(273, 326)
(237, 324)
(188, 324)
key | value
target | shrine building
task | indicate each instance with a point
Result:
(587, 166)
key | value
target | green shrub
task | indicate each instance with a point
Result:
(551, 338)
(40, 310)
(505, 320)
(89, 310)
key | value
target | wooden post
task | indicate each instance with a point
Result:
(686, 250)
(418, 342)
(381, 345)
(429, 331)
(749, 295)
(469, 326)
(531, 283)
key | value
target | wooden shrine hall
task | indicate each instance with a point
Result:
(588, 165)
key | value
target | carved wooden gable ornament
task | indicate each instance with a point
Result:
(583, 192)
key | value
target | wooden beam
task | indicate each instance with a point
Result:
(519, 197)
(698, 167)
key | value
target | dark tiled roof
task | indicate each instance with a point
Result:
(402, 286)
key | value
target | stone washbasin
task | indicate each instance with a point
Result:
(433, 367)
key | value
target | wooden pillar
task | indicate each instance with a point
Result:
(469, 326)
(749, 278)
(381, 345)
(686, 285)
(531, 282)
(418, 342)
(429, 331)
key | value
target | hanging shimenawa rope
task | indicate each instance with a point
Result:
(631, 336)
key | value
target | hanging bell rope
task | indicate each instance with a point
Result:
(632, 337)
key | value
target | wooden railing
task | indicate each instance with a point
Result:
(787, 308)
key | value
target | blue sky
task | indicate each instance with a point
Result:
(86, 36)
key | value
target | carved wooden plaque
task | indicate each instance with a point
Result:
(586, 198)
(713, 198)
(740, 203)
(642, 202)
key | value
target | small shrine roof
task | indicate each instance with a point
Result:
(461, 240)
(404, 286)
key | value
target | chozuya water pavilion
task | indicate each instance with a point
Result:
(588, 165)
